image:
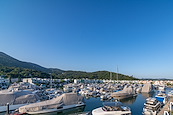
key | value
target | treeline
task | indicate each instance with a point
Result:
(16, 72)
(94, 75)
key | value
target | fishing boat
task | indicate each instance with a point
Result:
(63, 102)
(112, 108)
(151, 107)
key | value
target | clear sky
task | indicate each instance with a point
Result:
(91, 35)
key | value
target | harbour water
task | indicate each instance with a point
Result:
(136, 104)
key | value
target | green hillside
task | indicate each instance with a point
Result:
(14, 68)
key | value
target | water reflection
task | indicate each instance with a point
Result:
(147, 95)
(129, 100)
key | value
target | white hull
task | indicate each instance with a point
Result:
(56, 110)
(11, 107)
(122, 96)
(150, 112)
(99, 111)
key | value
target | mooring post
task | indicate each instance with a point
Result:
(8, 109)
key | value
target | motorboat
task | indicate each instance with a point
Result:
(161, 87)
(147, 88)
(112, 108)
(151, 107)
(127, 92)
(121, 95)
(16, 99)
(60, 103)
(162, 97)
(170, 93)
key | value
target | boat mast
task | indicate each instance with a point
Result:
(111, 76)
(50, 81)
(117, 73)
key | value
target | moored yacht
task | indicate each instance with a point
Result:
(65, 101)
(16, 99)
(112, 108)
(127, 92)
(170, 93)
(162, 97)
(151, 107)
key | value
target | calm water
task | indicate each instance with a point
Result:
(136, 104)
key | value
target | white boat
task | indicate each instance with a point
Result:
(162, 97)
(162, 88)
(147, 88)
(127, 92)
(112, 108)
(151, 107)
(65, 101)
(170, 94)
(16, 99)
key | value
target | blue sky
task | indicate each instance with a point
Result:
(91, 35)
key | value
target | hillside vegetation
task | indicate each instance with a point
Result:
(14, 68)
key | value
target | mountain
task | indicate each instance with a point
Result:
(6, 60)
(15, 68)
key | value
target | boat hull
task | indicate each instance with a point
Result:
(11, 107)
(99, 111)
(56, 110)
(122, 96)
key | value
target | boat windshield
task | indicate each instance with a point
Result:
(114, 106)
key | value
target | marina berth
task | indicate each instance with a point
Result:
(65, 101)
(112, 108)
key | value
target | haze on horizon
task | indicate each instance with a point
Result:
(91, 35)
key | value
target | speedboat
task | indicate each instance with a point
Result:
(63, 102)
(162, 97)
(151, 107)
(112, 108)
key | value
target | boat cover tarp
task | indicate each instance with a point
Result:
(127, 90)
(63, 100)
(17, 97)
(147, 88)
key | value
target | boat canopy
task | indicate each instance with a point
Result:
(17, 97)
(147, 88)
(55, 103)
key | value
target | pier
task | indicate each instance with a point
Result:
(166, 107)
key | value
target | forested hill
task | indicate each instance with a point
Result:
(12, 67)
(8, 61)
